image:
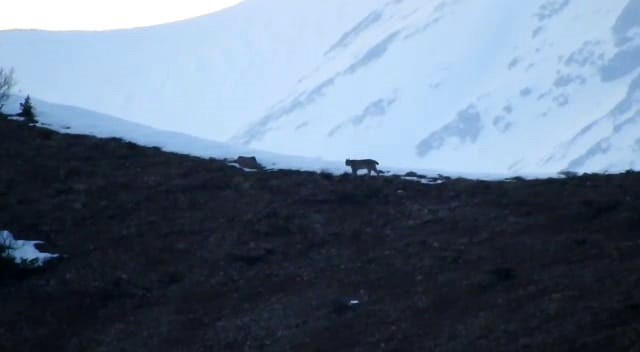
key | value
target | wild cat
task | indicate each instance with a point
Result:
(368, 164)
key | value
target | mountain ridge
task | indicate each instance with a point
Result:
(401, 81)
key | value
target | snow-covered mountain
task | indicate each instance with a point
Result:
(466, 85)
(73, 120)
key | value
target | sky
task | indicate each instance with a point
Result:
(102, 14)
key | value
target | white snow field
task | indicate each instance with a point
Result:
(73, 120)
(472, 86)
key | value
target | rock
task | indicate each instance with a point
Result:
(248, 162)
(251, 254)
(568, 174)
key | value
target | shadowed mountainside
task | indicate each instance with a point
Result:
(166, 252)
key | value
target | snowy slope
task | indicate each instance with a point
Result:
(207, 76)
(74, 120)
(419, 89)
(469, 85)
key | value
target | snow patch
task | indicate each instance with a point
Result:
(23, 252)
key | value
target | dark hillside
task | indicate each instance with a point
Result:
(167, 252)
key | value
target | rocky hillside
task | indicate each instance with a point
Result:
(165, 252)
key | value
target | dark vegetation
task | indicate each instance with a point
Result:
(7, 82)
(166, 252)
(8, 266)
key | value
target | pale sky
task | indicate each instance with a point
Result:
(101, 14)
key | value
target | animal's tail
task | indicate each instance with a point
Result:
(377, 163)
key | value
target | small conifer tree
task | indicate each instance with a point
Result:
(27, 111)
